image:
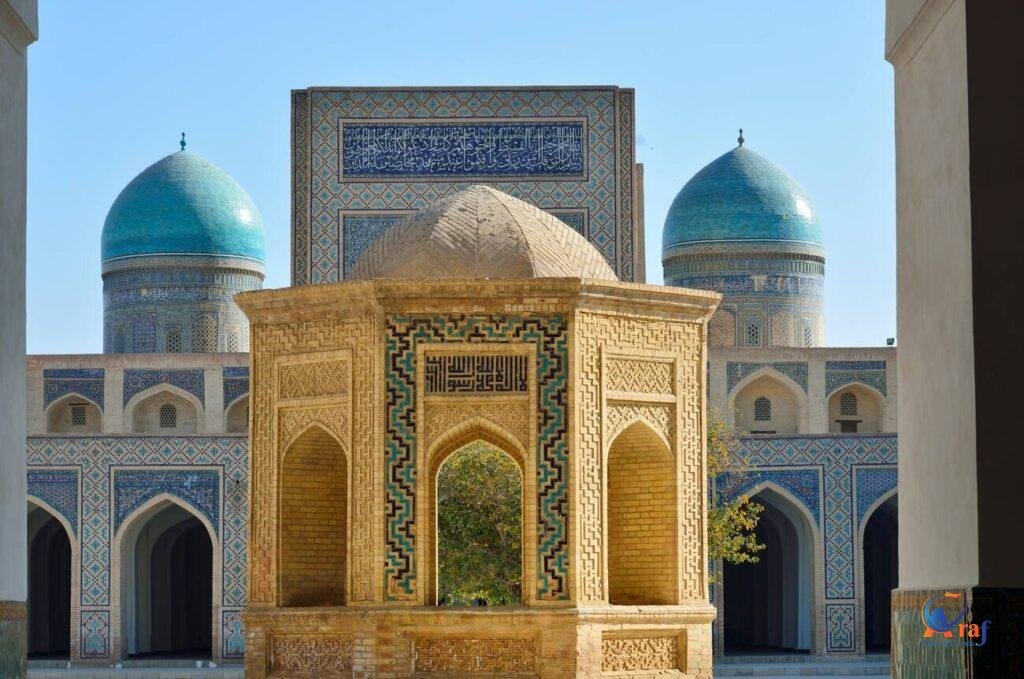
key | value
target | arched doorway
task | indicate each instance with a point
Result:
(880, 575)
(314, 524)
(641, 510)
(167, 579)
(479, 519)
(768, 604)
(49, 586)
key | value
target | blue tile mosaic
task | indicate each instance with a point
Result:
(463, 150)
(198, 487)
(839, 623)
(236, 383)
(871, 483)
(359, 231)
(804, 484)
(191, 380)
(838, 374)
(57, 488)
(87, 382)
(737, 372)
(745, 284)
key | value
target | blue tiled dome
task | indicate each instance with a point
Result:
(741, 196)
(183, 204)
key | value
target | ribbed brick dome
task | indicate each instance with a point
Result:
(480, 232)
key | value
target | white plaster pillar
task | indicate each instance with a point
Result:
(817, 403)
(213, 379)
(18, 29)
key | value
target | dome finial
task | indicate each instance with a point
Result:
(740, 139)
(182, 142)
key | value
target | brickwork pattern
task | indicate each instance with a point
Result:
(310, 656)
(484, 655)
(313, 525)
(630, 654)
(641, 498)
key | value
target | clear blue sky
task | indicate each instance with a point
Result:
(112, 84)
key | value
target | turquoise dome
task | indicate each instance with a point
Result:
(183, 204)
(741, 196)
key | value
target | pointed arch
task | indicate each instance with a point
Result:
(53, 586)
(314, 509)
(449, 442)
(877, 565)
(789, 402)
(772, 603)
(870, 404)
(236, 415)
(129, 576)
(142, 412)
(641, 519)
(61, 418)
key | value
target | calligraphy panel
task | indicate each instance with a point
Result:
(472, 149)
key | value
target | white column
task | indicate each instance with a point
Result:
(18, 29)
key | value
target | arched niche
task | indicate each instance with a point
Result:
(236, 418)
(451, 443)
(879, 571)
(50, 567)
(73, 414)
(314, 508)
(786, 404)
(855, 409)
(642, 519)
(769, 605)
(165, 583)
(165, 410)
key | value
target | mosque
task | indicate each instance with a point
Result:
(142, 501)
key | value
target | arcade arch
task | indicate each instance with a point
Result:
(165, 410)
(49, 585)
(855, 409)
(767, 402)
(73, 414)
(879, 564)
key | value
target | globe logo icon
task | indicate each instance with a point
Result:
(937, 619)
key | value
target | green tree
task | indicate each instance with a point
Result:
(731, 525)
(479, 516)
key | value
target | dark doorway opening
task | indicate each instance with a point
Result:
(49, 586)
(768, 603)
(881, 570)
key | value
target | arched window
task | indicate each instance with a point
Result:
(172, 341)
(204, 335)
(753, 334)
(762, 409)
(848, 404)
(168, 416)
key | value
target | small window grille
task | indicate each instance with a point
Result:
(172, 341)
(808, 336)
(234, 343)
(753, 335)
(848, 404)
(762, 409)
(168, 416)
(78, 415)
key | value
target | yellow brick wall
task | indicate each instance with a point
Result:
(641, 519)
(313, 522)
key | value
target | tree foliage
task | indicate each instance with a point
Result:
(479, 517)
(731, 525)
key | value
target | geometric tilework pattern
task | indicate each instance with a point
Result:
(840, 373)
(190, 380)
(736, 372)
(872, 483)
(236, 383)
(805, 484)
(59, 489)
(838, 456)
(87, 382)
(199, 487)
(839, 623)
(320, 195)
(404, 333)
(98, 456)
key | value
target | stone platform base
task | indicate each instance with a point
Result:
(915, 656)
(13, 639)
(611, 641)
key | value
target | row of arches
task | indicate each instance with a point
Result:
(641, 517)
(164, 410)
(768, 607)
(165, 596)
(771, 403)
